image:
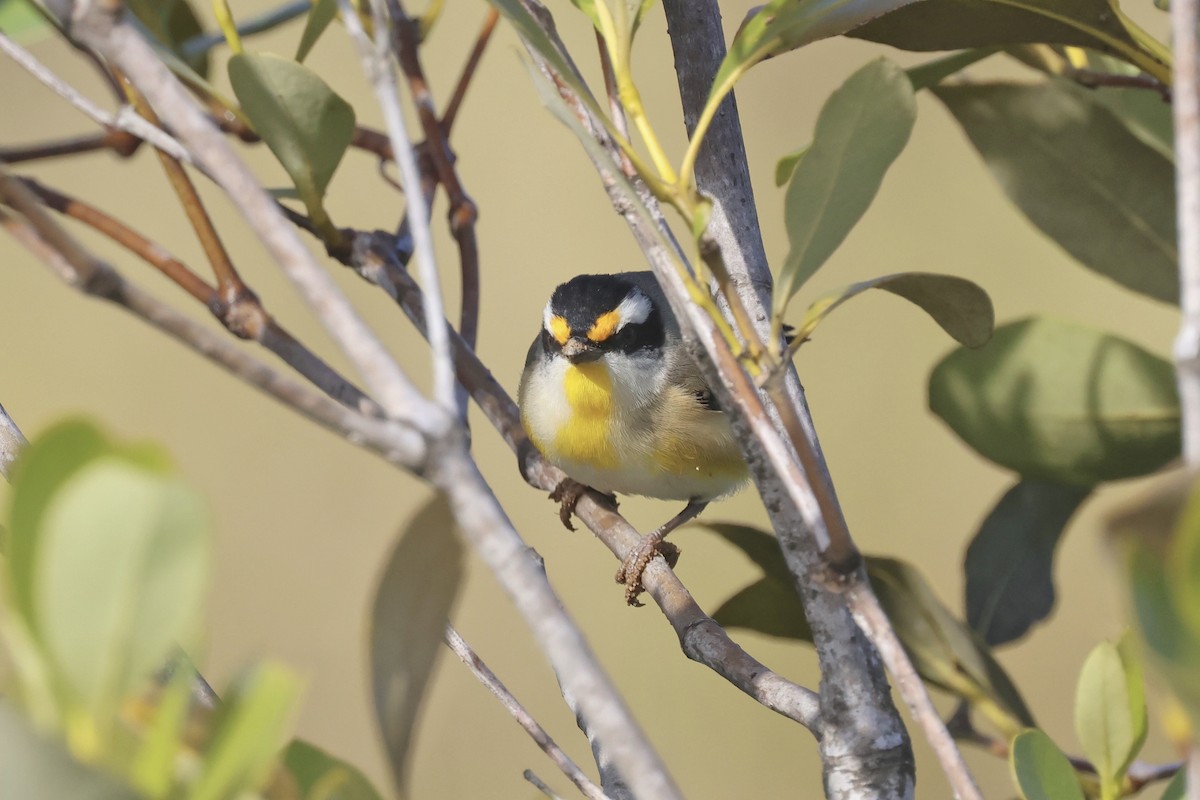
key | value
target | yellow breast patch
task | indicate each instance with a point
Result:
(585, 435)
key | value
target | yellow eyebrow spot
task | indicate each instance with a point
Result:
(559, 329)
(605, 326)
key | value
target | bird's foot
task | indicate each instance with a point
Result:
(636, 561)
(567, 495)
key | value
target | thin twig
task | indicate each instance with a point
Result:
(395, 442)
(120, 142)
(12, 442)
(539, 784)
(201, 44)
(518, 712)
(125, 119)
(468, 70)
(377, 66)
(1184, 19)
(121, 44)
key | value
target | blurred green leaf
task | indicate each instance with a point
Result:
(588, 7)
(958, 24)
(959, 306)
(944, 652)
(1079, 174)
(171, 23)
(36, 768)
(410, 614)
(1040, 769)
(1105, 716)
(122, 568)
(1145, 113)
(1183, 564)
(931, 73)
(862, 128)
(1060, 402)
(1151, 533)
(49, 461)
(20, 20)
(250, 729)
(305, 123)
(1135, 690)
(321, 776)
(153, 768)
(1009, 564)
(320, 15)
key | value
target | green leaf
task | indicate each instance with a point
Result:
(1040, 770)
(120, 579)
(861, 130)
(934, 72)
(786, 166)
(1079, 174)
(320, 15)
(171, 23)
(36, 768)
(768, 606)
(1104, 716)
(1183, 565)
(20, 20)
(1061, 402)
(321, 776)
(47, 463)
(1151, 533)
(410, 614)
(1135, 688)
(153, 767)
(305, 123)
(1146, 114)
(250, 729)
(958, 24)
(959, 306)
(944, 651)
(1009, 564)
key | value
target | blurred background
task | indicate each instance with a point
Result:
(305, 520)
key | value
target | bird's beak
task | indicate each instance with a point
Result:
(579, 351)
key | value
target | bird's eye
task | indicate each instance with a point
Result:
(625, 339)
(549, 343)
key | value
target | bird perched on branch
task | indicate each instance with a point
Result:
(610, 396)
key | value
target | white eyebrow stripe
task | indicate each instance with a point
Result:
(634, 309)
(547, 315)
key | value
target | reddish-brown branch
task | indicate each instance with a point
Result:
(120, 142)
(468, 70)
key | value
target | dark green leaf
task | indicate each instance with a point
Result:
(1079, 174)
(251, 727)
(1040, 769)
(122, 568)
(934, 72)
(305, 123)
(321, 776)
(1105, 716)
(411, 611)
(171, 23)
(862, 128)
(36, 768)
(22, 22)
(1009, 564)
(320, 15)
(1061, 402)
(959, 306)
(958, 24)
(944, 652)
(1145, 113)
(767, 606)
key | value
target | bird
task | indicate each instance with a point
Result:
(610, 395)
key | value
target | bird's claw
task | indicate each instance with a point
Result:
(635, 563)
(567, 495)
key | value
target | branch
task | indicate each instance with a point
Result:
(536, 732)
(1186, 108)
(12, 442)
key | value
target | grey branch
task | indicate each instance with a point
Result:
(518, 712)
(1186, 109)
(12, 442)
